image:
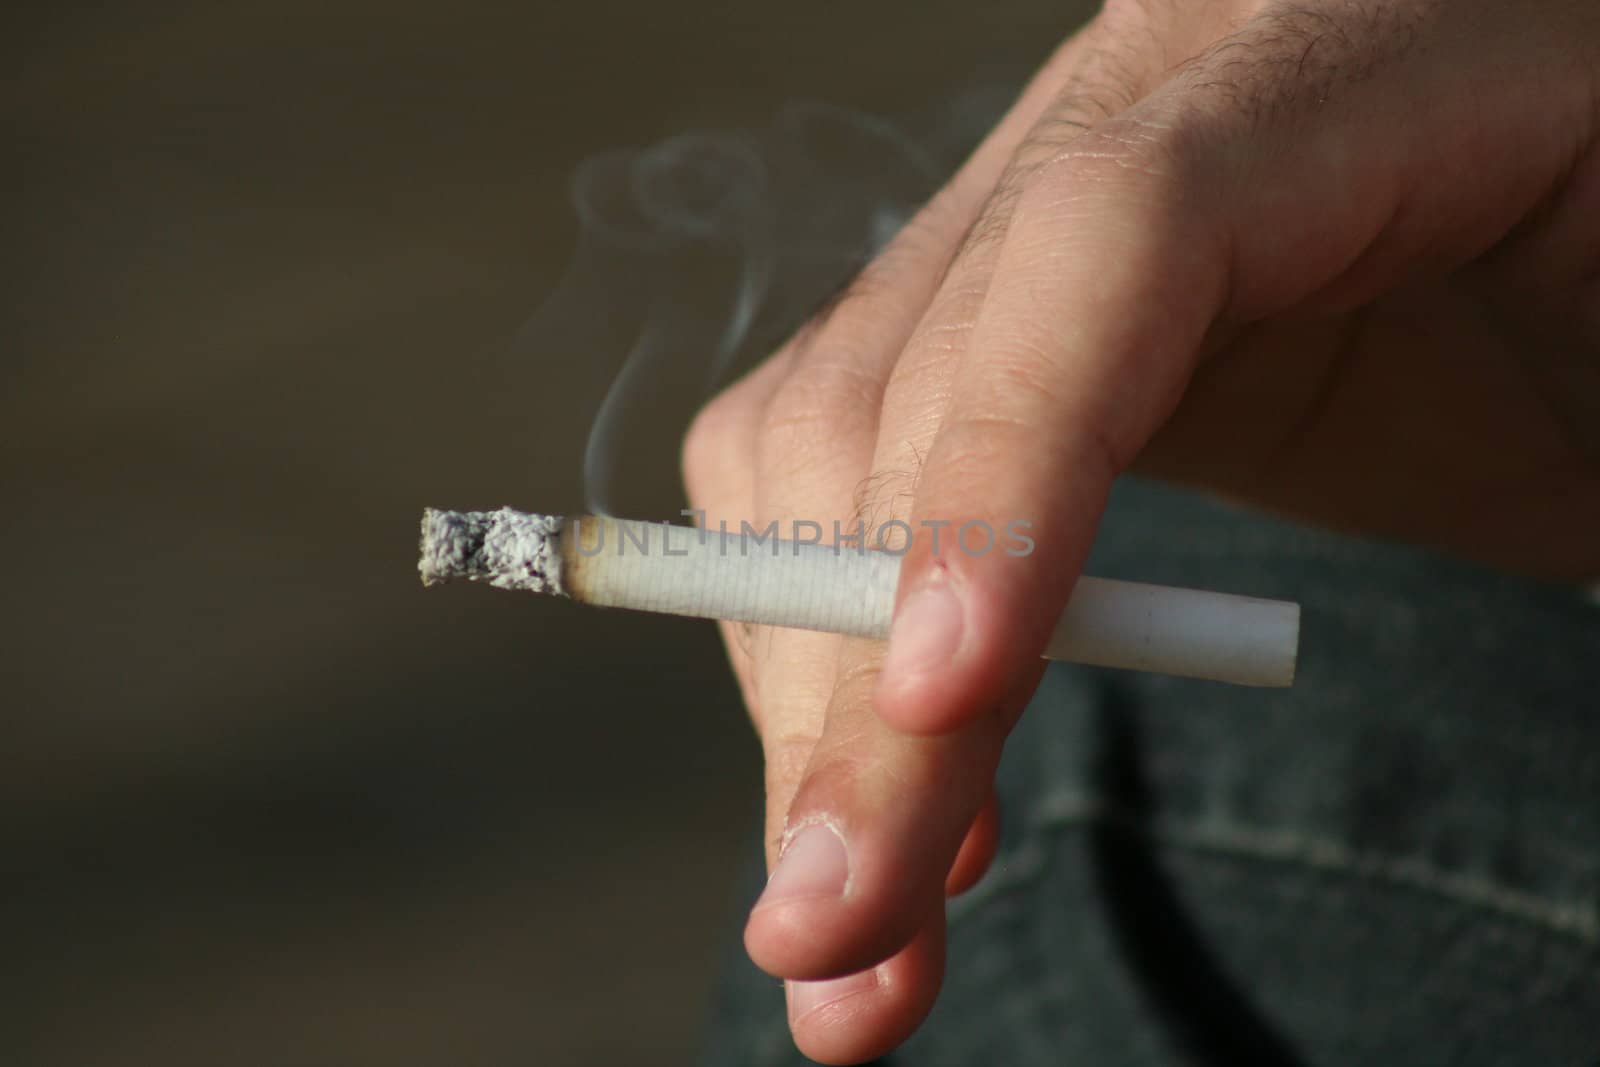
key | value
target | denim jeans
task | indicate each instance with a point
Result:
(1397, 861)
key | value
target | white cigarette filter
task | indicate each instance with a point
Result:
(749, 576)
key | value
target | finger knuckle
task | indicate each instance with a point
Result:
(1097, 96)
(1121, 59)
(1133, 150)
(712, 437)
(826, 393)
(973, 443)
(1025, 371)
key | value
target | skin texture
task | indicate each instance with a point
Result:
(1340, 260)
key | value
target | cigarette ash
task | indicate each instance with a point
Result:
(506, 548)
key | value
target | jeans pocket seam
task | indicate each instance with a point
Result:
(1572, 920)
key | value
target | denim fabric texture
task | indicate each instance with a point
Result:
(1397, 861)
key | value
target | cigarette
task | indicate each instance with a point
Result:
(843, 589)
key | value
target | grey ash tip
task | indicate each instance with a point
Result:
(508, 549)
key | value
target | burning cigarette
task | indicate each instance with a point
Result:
(843, 589)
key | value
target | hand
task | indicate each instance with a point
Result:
(1340, 259)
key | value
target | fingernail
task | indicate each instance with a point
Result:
(807, 997)
(926, 632)
(813, 865)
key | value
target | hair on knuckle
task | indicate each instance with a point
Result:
(881, 496)
(1293, 56)
(989, 228)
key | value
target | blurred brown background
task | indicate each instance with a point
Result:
(266, 801)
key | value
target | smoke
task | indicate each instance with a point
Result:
(699, 254)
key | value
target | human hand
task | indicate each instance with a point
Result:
(1334, 258)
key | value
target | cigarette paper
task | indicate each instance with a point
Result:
(845, 589)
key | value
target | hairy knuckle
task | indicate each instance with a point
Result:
(1123, 56)
(1291, 56)
(881, 496)
(989, 228)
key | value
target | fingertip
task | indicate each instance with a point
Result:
(859, 1017)
(812, 939)
(821, 917)
(873, 830)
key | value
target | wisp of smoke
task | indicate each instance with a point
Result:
(699, 254)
